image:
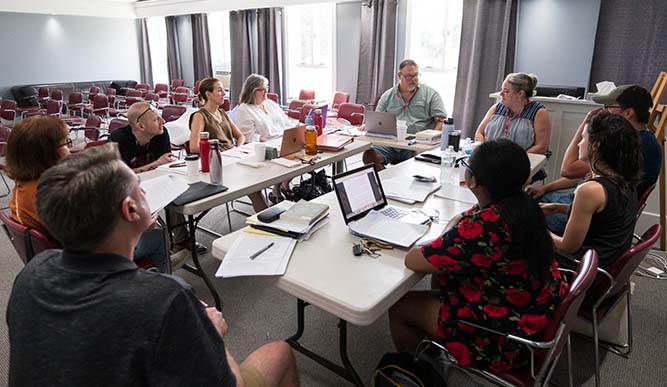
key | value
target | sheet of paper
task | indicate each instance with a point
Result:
(461, 194)
(273, 261)
(181, 170)
(162, 190)
(383, 228)
(408, 188)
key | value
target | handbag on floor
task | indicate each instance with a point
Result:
(408, 369)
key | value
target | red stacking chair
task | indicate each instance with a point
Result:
(43, 95)
(352, 112)
(180, 95)
(92, 92)
(57, 95)
(307, 95)
(226, 105)
(162, 90)
(53, 107)
(339, 98)
(111, 95)
(294, 108)
(4, 136)
(75, 103)
(144, 87)
(132, 96)
(8, 112)
(177, 83)
(195, 90)
(117, 123)
(305, 111)
(173, 112)
(27, 241)
(273, 97)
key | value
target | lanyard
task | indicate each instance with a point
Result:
(400, 99)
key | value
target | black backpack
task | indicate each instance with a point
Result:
(408, 369)
(316, 185)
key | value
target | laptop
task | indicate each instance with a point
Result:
(380, 124)
(359, 191)
(294, 139)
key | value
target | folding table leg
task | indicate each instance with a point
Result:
(200, 272)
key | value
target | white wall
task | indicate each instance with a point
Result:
(48, 49)
(555, 40)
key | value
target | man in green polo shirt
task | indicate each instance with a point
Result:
(417, 104)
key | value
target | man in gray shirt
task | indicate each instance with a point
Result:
(419, 105)
(86, 315)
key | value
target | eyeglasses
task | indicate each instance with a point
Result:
(466, 165)
(68, 143)
(151, 106)
(607, 107)
(410, 76)
(262, 89)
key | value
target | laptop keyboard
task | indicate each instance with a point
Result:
(393, 212)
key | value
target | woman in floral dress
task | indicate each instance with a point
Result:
(495, 267)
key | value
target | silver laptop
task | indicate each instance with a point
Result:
(380, 124)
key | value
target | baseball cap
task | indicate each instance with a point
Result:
(629, 96)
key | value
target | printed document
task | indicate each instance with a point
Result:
(162, 190)
(272, 261)
(408, 188)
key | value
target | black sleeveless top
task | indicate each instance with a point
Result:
(610, 231)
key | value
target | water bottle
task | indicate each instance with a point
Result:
(318, 121)
(447, 128)
(215, 162)
(311, 137)
(204, 149)
(447, 165)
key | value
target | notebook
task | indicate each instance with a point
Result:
(198, 190)
(366, 211)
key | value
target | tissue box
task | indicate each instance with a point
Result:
(428, 136)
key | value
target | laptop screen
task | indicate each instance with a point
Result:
(358, 192)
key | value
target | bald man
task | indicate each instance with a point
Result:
(143, 144)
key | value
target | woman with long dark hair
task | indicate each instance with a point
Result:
(495, 266)
(604, 209)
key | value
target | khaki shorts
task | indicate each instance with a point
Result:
(251, 376)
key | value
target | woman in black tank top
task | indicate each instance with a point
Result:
(603, 213)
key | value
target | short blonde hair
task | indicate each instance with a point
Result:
(523, 81)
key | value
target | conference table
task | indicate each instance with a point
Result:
(357, 289)
(242, 180)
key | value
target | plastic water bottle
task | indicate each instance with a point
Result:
(215, 162)
(447, 128)
(447, 165)
(204, 149)
(311, 137)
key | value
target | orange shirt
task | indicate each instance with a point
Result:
(24, 205)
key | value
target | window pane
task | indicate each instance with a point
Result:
(433, 38)
(218, 29)
(310, 49)
(157, 39)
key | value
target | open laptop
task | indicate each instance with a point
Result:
(359, 191)
(380, 124)
(294, 139)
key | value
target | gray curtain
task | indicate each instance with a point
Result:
(258, 40)
(146, 64)
(630, 44)
(377, 49)
(488, 35)
(173, 51)
(201, 47)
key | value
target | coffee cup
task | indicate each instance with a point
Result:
(260, 151)
(454, 139)
(192, 164)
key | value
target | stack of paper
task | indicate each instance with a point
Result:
(408, 190)
(162, 191)
(243, 259)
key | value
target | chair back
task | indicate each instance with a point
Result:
(177, 83)
(161, 89)
(93, 121)
(339, 98)
(75, 97)
(305, 111)
(133, 96)
(173, 112)
(181, 94)
(4, 136)
(294, 108)
(641, 203)
(143, 86)
(100, 101)
(352, 112)
(92, 92)
(307, 95)
(226, 104)
(53, 107)
(273, 97)
(151, 97)
(43, 92)
(117, 123)
(623, 267)
(57, 95)
(195, 89)
(27, 241)
(8, 104)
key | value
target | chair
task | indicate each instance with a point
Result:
(195, 90)
(180, 95)
(294, 108)
(352, 112)
(111, 95)
(547, 352)
(4, 135)
(57, 95)
(92, 92)
(162, 90)
(339, 98)
(305, 111)
(273, 97)
(91, 130)
(132, 96)
(226, 104)
(53, 107)
(143, 87)
(26, 241)
(75, 103)
(43, 95)
(613, 285)
(307, 95)
(117, 123)
(173, 112)
(175, 83)
(8, 112)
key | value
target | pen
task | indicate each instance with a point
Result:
(176, 165)
(263, 249)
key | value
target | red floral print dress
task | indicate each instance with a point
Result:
(484, 281)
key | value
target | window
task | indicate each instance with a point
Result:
(157, 39)
(310, 41)
(433, 32)
(218, 32)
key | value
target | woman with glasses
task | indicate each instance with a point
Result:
(258, 117)
(493, 265)
(35, 145)
(603, 213)
(516, 117)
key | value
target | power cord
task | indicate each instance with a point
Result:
(654, 266)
